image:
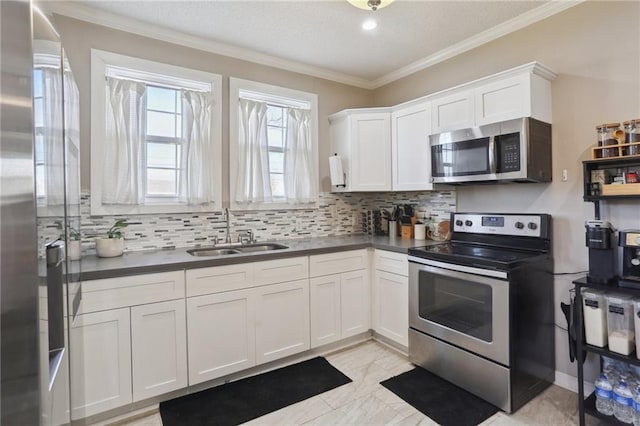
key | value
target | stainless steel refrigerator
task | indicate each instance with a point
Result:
(40, 290)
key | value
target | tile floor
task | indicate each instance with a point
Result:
(365, 402)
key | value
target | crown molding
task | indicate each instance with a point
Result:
(118, 22)
(512, 25)
(122, 23)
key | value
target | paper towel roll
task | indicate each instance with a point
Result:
(335, 170)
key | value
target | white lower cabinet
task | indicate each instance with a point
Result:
(355, 303)
(100, 355)
(391, 306)
(282, 320)
(324, 294)
(158, 348)
(221, 334)
(390, 299)
(340, 306)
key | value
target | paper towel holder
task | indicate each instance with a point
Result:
(344, 177)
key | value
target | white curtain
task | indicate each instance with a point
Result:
(300, 182)
(123, 147)
(252, 183)
(197, 182)
(52, 135)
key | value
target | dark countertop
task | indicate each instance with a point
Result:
(151, 261)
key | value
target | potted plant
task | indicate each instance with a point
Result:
(113, 245)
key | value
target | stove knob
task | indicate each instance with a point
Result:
(519, 225)
(458, 222)
(532, 226)
(468, 222)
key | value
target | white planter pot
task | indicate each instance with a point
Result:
(109, 247)
(74, 250)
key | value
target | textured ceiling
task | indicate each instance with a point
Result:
(327, 34)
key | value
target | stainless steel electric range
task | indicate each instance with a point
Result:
(481, 309)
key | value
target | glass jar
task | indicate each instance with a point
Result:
(606, 137)
(631, 135)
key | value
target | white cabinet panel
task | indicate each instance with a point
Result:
(503, 100)
(324, 296)
(362, 137)
(282, 320)
(355, 303)
(280, 270)
(371, 151)
(410, 151)
(453, 111)
(100, 355)
(158, 348)
(391, 306)
(221, 334)
(218, 278)
(396, 263)
(335, 263)
(113, 293)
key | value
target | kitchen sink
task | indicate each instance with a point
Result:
(222, 251)
(212, 252)
(260, 247)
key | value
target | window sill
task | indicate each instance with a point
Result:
(272, 206)
(98, 209)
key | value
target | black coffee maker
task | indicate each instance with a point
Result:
(600, 238)
(630, 243)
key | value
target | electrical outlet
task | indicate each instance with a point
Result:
(355, 219)
(565, 175)
(333, 211)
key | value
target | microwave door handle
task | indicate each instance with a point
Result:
(492, 155)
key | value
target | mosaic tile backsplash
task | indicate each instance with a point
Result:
(337, 214)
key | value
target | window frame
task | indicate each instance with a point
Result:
(101, 61)
(271, 95)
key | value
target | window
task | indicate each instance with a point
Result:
(156, 137)
(273, 147)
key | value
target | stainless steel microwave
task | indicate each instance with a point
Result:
(510, 151)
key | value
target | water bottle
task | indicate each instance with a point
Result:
(604, 396)
(636, 407)
(623, 400)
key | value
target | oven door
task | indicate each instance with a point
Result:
(465, 306)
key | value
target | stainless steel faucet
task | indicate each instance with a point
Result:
(226, 217)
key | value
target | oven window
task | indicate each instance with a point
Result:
(464, 306)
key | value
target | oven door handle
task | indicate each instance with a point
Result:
(459, 268)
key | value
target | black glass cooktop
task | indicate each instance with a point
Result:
(469, 254)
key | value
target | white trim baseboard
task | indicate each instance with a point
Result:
(569, 382)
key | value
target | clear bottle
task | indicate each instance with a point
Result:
(636, 407)
(606, 136)
(623, 400)
(604, 395)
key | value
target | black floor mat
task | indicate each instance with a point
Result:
(238, 402)
(441, 401)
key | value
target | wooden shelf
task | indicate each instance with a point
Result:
(620, 149)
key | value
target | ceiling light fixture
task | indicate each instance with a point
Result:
(370, 4)
(369, 24)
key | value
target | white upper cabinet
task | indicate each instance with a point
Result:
(363, 139)
(452, 111)
(523, 91)
(410, 153)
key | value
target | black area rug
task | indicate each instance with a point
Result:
(238, 402)
(443, 402)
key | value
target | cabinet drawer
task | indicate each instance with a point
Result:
(335, 263)
(388, 261)
(218, 279)
(281, 270)
(113, 293)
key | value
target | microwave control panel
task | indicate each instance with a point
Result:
(508, 152)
